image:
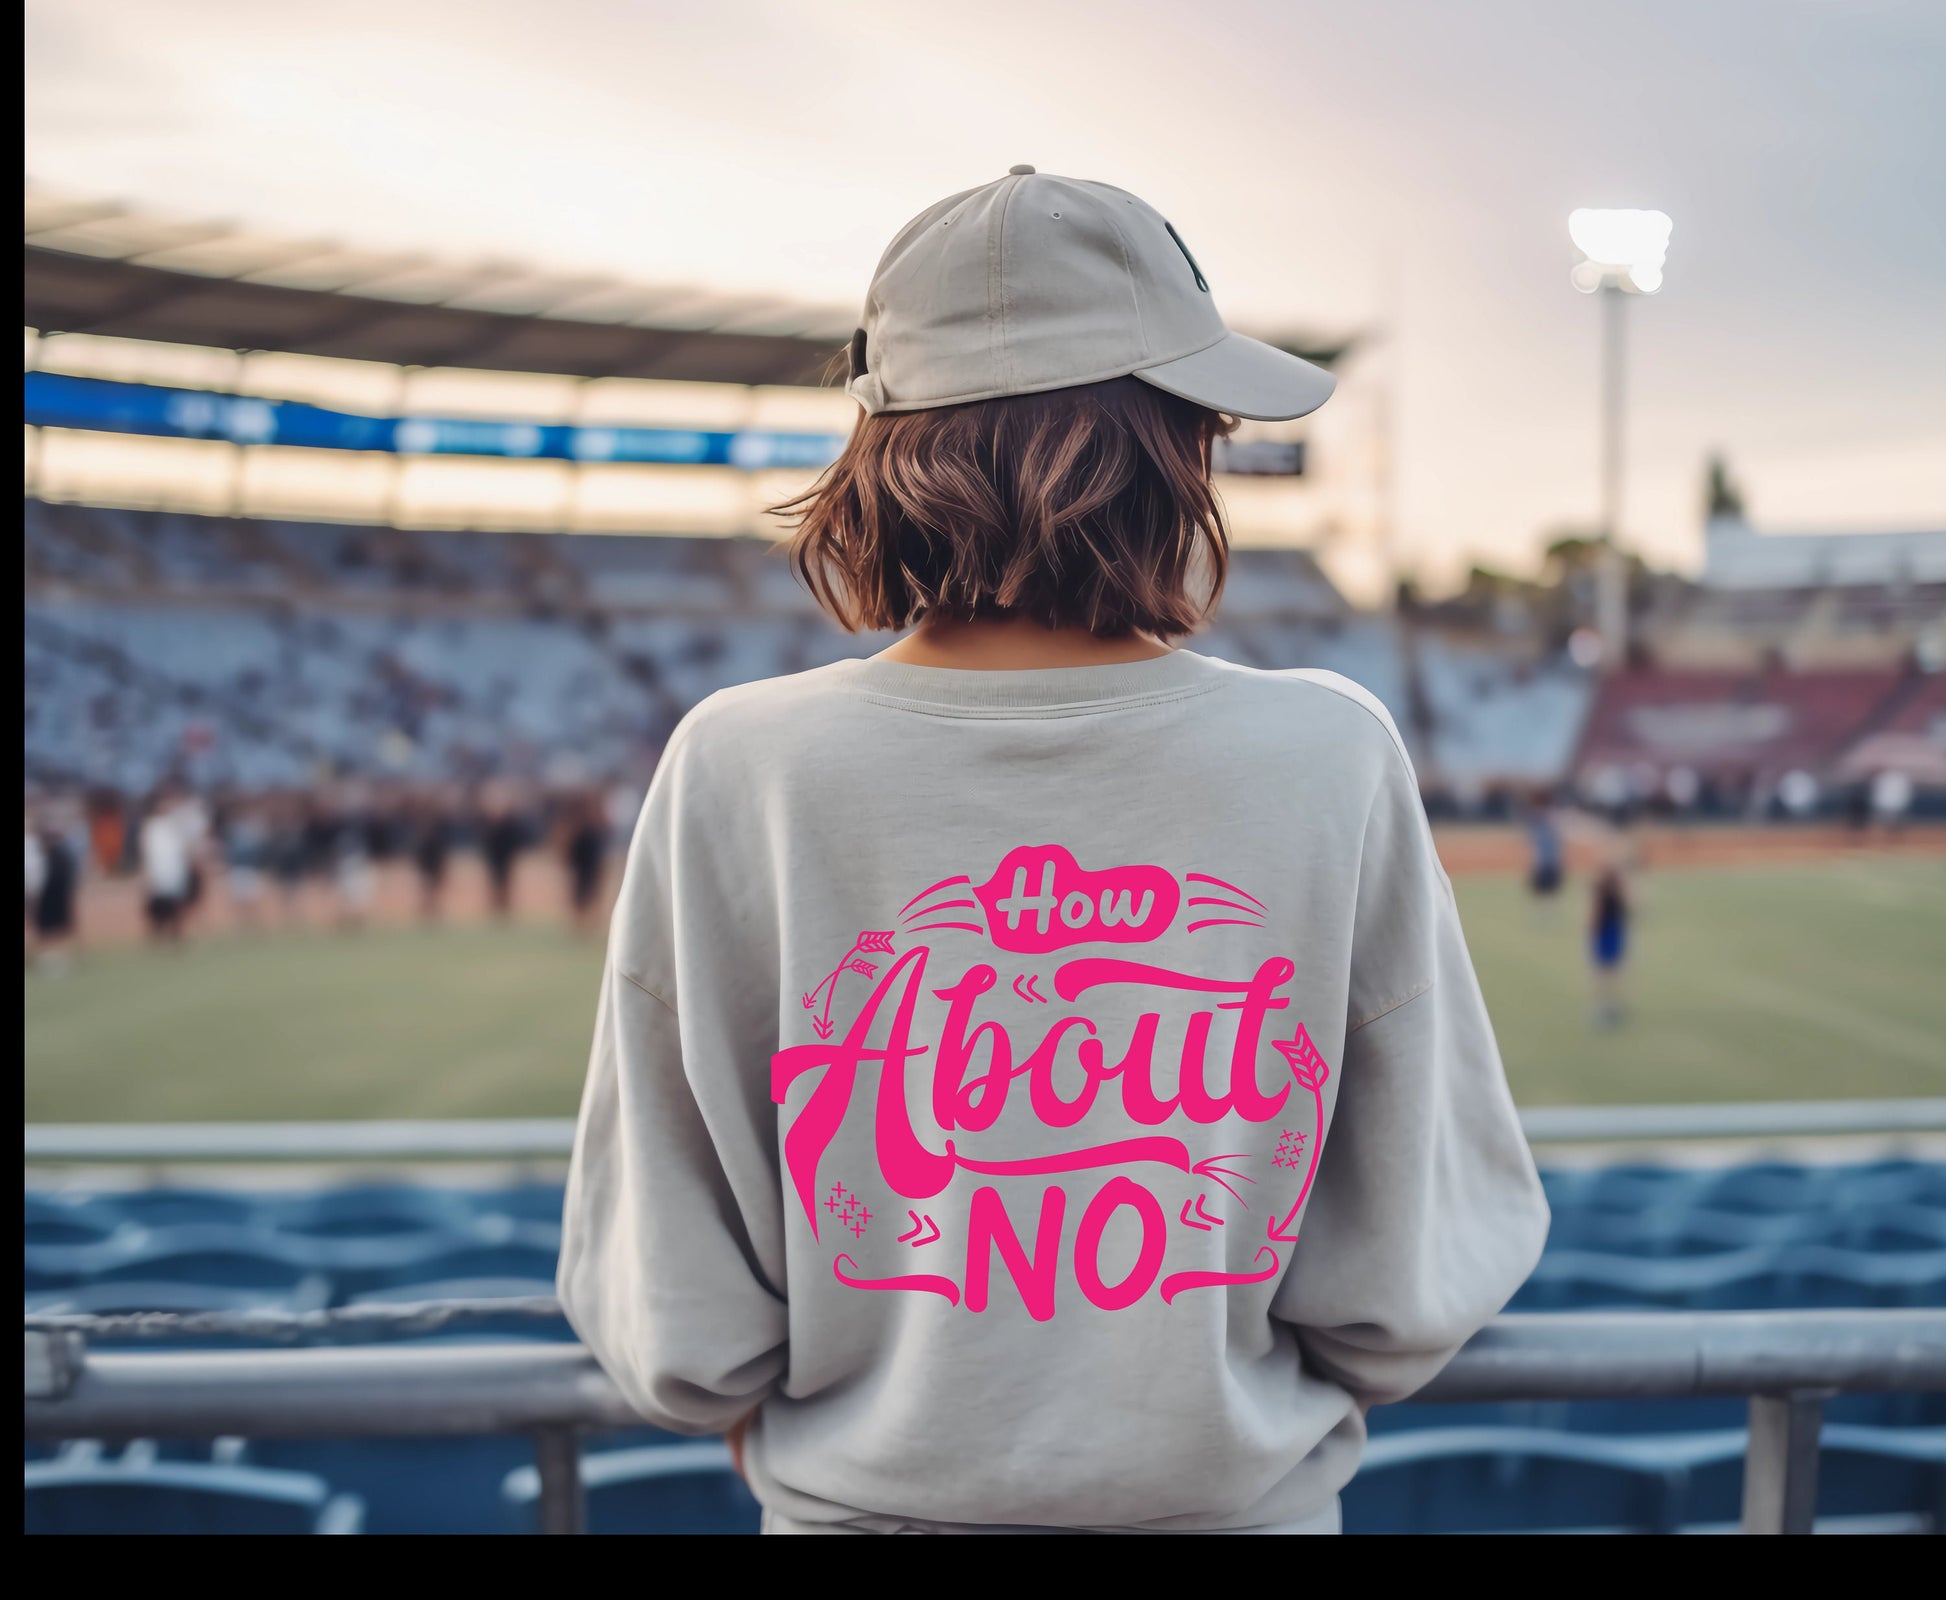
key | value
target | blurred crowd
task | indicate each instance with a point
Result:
(297, 856)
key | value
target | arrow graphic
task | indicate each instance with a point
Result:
(919, 1226)
(1309, 1069)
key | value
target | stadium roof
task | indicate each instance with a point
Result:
(100, 267)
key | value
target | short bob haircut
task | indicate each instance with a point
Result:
(1089, 506)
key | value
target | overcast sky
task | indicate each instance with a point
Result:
(1402, 164)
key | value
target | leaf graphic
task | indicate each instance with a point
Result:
(881, 942)
(1307, 1065)
(863, 968)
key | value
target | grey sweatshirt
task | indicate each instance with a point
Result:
(1048, 1098)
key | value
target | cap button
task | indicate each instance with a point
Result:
(1021, 171)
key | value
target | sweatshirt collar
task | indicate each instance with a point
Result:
(1036, 691)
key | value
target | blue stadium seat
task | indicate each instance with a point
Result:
(1583, 1280)
(49, 1265)
(1636, 1188)
(159, 1274)
(686, 1487)
(80, 1491)
(412, 1486)
(65, 1219)
(376, 1211)
(1513, 1479)
(468, 1261)
(156, 1208)
(1896, 1226)
(527, 1202)
(1875, 1472)
(1768, 1188)
(1827, 1275)
(118, 1297)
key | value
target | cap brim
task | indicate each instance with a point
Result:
(1246, 378)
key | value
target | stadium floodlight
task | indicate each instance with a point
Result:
(1625, 248)
(1622, 253)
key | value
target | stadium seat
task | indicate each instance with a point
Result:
(1895, 1227)
(1824, 1275)
(686, 1487)
(1638, 1188)
(1515, 1480)
(120, 1297)
(1768, 1189)
(412, 1485)
(84, 1492)
(64, 1219)
(375, 1210)
(526, 1202)
(243, 1267)
(1873, 1472)
(1582, 1280)
(156, 1208)
(510, 1261)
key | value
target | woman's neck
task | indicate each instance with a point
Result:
(1015, 644)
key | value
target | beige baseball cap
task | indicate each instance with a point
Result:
(1035, 282)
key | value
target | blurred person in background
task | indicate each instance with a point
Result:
(432, 842)
(1544, 855)
(354, 880)
(1891, 799)
(1858, 812)
(1608, 929)
(59, 832)
(584, 851)
(1043, 375)
(167, 866)
(286, 851)
(107, 831)
(192, 819)
(503, 835)
(320, 822)
(36, 869)
(244, 834)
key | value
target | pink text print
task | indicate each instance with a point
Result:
(1040, 899)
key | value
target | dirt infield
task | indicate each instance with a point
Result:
(111, 910)
(1471, 849)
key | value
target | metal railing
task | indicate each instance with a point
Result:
(551, 1138)
(1787, 1363)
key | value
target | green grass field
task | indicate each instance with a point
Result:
(1825, 981)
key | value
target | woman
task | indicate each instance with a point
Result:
(1194, 907)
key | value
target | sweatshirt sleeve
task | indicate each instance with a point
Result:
(669, 1270)
(1427, 1212)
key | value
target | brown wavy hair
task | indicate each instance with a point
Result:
(1088, 506)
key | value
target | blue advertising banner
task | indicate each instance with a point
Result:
(55, 400)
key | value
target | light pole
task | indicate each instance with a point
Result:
(1621, 254)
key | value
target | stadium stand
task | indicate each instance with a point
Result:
(437, 654)
(1496, 721)
(1737, 731)
(1759, 1236)
(1908, 735)
(256, 655)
